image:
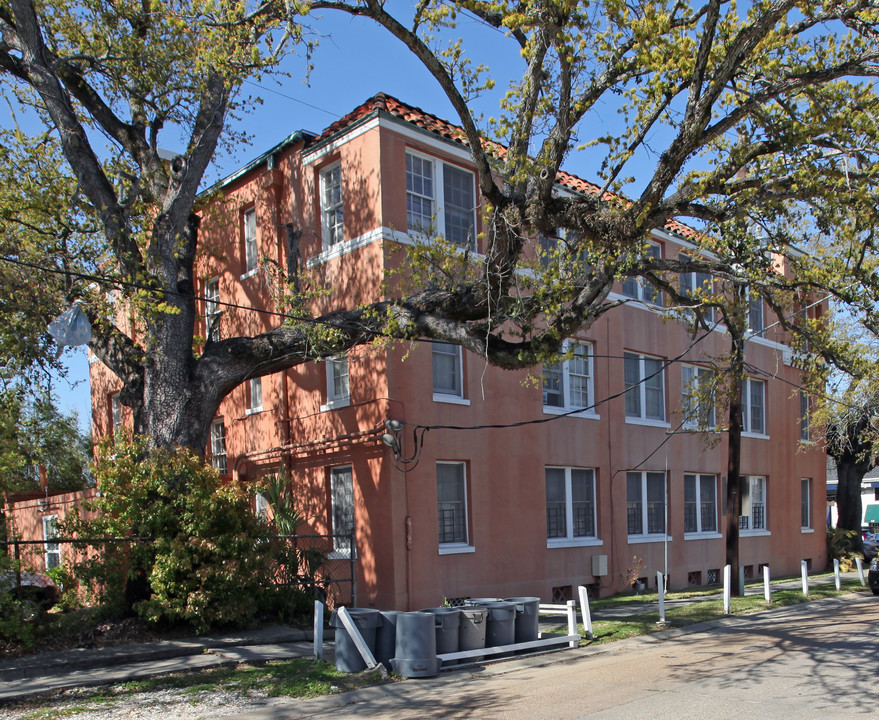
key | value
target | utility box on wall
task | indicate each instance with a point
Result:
(599, 565)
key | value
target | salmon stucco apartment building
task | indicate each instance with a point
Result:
(602, 492)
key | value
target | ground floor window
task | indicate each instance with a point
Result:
(700, 503)
(753, 492)
(645, 495)
(570, 503)
(806, 504)
(51, 549)
(451, 496)
(342, 490)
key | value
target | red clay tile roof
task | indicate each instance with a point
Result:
(383, 102)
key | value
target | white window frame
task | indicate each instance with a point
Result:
(698, 481)
(254, 396)
(116, 412)
(52, 550)
(454, 546)
(439, 204)
(750, 411)
(218, 446)
(805, 424)
(753, 519)
(806, 506)
(642, 504)
(692, 281)
(251, 249)
(693, 407)
(640, 389)
(337, 368)
(756, 313)
(639, 289)
(448, 394)
(565, 372)
(212, 309)
(344, 474)
(569, 539)
(332, 209)
(261, 507)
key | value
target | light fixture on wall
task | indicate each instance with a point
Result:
(392, 437)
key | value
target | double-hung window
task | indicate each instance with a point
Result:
(755, 312)
(806, 504)
(218, 446)
(52, 549)
(645, 387)
(754, 406)
(338, 388)
(254, 399)
(804, 417)
(212, 309)
(342, 492)
(570, 505)
(640, 289)
(700, 503)
(448, 380)
(567, 385)
(250, 251)
(697, 397)
(451, 497)
(696, 285)
(332, 214)
(753, 494)
(441, 198)
(645, 503)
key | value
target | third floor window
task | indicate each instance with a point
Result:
(441, 200)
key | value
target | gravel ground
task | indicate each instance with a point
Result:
(179, 704)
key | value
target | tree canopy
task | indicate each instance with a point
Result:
(760, 119)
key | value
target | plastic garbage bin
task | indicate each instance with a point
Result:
(386, 637)
(348, 658)
(471, 630)
(448, 621)
(416, 645)
(500, 627)
(527, 618)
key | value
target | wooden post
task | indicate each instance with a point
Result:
(767, 592)
(318, 630)
(727, 573)
(356, 637)
(660, 589)
(804, 571)
(860, 565)
(572, 623)
(584, 609)
(837, 580)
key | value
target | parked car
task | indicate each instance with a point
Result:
(36, 587)
(871, 544)
(873, 575)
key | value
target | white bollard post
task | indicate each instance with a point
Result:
(836, 577)
(860, 565)
(804, 570)
(572, 623)
(584, 609)
(318, 630)
(727, 578)
(767, 593)
(660, 590)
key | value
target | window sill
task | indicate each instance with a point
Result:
(755, 436)
(339, 555)
(657, 538)
(573, 542)
(647, 422)
(807, 531)
(450, 399)
(587, 414)
(253, 411)
(335, 404)
(754, 533)
(703, 536)
(456, 549)
(249, 273)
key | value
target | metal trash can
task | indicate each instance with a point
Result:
(500, 626)
(416, 645)
(386, 637)
(527, 618)
(348, 658)
(471, 631)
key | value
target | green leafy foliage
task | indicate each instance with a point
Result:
(196, 555)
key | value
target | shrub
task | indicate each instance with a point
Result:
(196, 552)
(842, 545)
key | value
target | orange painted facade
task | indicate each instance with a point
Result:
(534, 509)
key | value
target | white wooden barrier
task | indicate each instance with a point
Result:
(318, 630)
(836, 577)
(356, 637)
(767, 591)
(804, 571)
(727, 577)
(860, 565)
(660, 590)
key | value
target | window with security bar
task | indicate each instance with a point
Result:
(451, 495)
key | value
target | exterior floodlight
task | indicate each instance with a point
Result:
(390, 441)
(393, 426)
